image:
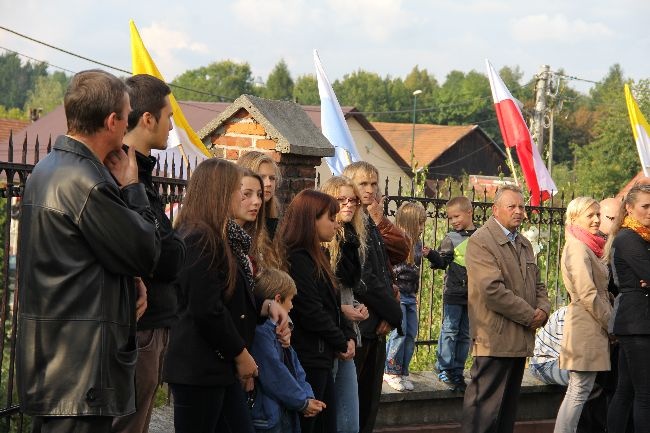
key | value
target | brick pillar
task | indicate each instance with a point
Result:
(298, 173)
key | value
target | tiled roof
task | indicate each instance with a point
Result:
(430, 142)
(8, 125)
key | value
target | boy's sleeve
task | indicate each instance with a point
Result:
(274, 378)
(442, 257)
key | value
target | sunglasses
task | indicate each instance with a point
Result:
(345, 200)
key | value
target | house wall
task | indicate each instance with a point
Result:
(371, 151)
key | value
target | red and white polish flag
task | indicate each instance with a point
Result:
(516, 134)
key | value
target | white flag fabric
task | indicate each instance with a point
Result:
(333, 124)
(640, 129)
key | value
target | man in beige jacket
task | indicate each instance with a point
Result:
(506, 304)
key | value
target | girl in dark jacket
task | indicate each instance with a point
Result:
(208, 366)
(321, 332)
(628, 250)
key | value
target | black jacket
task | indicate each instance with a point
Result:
(631, 259)
(376, 292)
(161, 293)
(210, 331)
(82, 240)
(320, 329)
(451, 256)
(348, 268)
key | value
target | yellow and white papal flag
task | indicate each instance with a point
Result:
(183, 145)
(640, 129)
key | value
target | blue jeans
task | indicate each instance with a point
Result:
(347, 396)
(454, 342)
(550, 373)
(399, 350)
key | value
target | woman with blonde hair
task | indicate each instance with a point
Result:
(347, 252)
(585, 344)
(410, 217)
(628, 251)
(263, 165)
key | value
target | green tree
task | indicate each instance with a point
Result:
(279, 84)
(12, 113)
(610, 160)
(47, 93)
(16, 79)
(219, 81)
(305, 91)
(366, 91)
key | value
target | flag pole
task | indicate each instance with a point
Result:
(512, 165)
(183, 155)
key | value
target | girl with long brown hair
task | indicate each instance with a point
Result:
(208, 366)
(264, 166)
(321, 332)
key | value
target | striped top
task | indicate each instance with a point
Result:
(549, 339)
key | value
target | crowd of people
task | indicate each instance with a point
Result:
(263, 319)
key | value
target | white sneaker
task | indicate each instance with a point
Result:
(394, 381)
(408, 385)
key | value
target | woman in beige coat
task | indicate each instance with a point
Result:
(585, 345)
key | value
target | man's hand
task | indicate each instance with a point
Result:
(122, 166)
(376, 210)
(314, 407)
(383, 328)
(349, 354)
(141, 300)
(538, 319)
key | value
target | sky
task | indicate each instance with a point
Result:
(389, 37)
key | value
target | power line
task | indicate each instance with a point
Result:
(97, 62)
(37, 60)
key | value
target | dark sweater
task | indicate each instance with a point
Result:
(161, 293)
(631, 264)
(453, 260)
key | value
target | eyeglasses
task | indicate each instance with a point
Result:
(345, 200)
(609, 217)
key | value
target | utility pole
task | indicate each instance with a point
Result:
(541, 90)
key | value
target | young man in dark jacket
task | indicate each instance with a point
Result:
(387, 245)
(86, 230)
(149, 126)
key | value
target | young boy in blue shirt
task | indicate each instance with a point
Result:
(454, 342)
(281, 392)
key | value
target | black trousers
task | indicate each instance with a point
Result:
(370, 360)
(72, 424)
(322, 383)
(633, 389)
(490, 404)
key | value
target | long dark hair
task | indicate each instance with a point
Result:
(262, 248)
(298, 227)
(207, 206)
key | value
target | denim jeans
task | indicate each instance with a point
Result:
(454, 342)
(347, 396)
(550, 373)
(577, 393)
(399, 350)
(284, 426)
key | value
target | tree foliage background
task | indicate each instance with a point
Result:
(593, 146)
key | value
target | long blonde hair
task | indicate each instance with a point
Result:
(333, 187)
(409, 216)
(253, 160)
(630, 199)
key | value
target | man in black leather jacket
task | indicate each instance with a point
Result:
(86, 232)
(149, 126)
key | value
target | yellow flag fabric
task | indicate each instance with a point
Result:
(182, 135)
(640, 129)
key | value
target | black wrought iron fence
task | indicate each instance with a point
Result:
(544, 227)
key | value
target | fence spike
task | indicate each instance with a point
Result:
(49, 144)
